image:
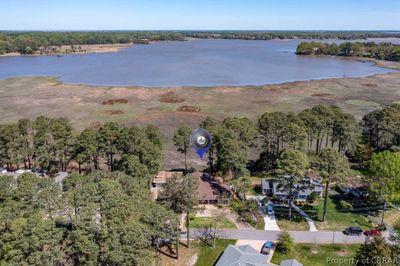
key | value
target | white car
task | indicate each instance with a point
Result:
(22, 171)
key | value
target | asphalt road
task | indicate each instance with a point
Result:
(320, 237)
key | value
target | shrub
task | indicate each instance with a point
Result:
(313, 197)
(236, 205)
(285, 243)
(345, 205)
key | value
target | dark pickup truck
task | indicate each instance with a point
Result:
(353, 231)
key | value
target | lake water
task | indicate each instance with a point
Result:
(192, 63)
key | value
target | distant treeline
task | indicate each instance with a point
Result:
(31, 42)
(382, 51)
(270, 35)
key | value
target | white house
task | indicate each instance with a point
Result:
(302, 192)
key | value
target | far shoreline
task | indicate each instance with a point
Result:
(79, 49)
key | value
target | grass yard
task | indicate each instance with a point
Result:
(206, 255)
(185, 255)
(336, 220)
(260, 223)
(282, 218)
(391, 216)
(255, 191)
(205, 222)
(316, 255)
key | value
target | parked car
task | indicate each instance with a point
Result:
(372, 232)
(270, 210)
(23, 171)
(353, 231)
(358, 193)
(266, 248)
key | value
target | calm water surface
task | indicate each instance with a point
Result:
(193, 63)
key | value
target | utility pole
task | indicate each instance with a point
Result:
(177, 240)
(384, 209)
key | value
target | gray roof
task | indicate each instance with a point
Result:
(290, 263)
(273, 185)
(242, 256)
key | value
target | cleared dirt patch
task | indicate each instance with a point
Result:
(363, 103)
(95, 125)
(114, 112)
(323, 95)
(171, 97)
(189, 109)
(114, 101)
(371, 85)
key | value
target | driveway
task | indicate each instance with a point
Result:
(60, 177)
(270, 223)
(256, 244)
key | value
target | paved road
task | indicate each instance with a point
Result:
(320, 237)
(60, 177)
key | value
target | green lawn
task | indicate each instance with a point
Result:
(260, 223)
(317, 255)
(207, 255)
(257, 178)
(282, 218)
(255, 191)
(336, 220)
(392, 215)
(205, 222)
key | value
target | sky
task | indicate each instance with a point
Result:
(200, 15)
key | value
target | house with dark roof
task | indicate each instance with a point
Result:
(211, 190)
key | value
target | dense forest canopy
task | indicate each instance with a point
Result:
(31, 42)
(98, 219)
(383, 51)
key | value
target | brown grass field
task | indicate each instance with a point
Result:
(170, 107)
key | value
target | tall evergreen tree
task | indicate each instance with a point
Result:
(291, 167)
(332, 167)
(182, 142)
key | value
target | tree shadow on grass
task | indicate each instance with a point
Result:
(282, 213)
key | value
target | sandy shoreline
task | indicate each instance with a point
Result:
(380, 63)
(79, 49)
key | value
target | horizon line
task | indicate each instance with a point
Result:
(197, 30)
